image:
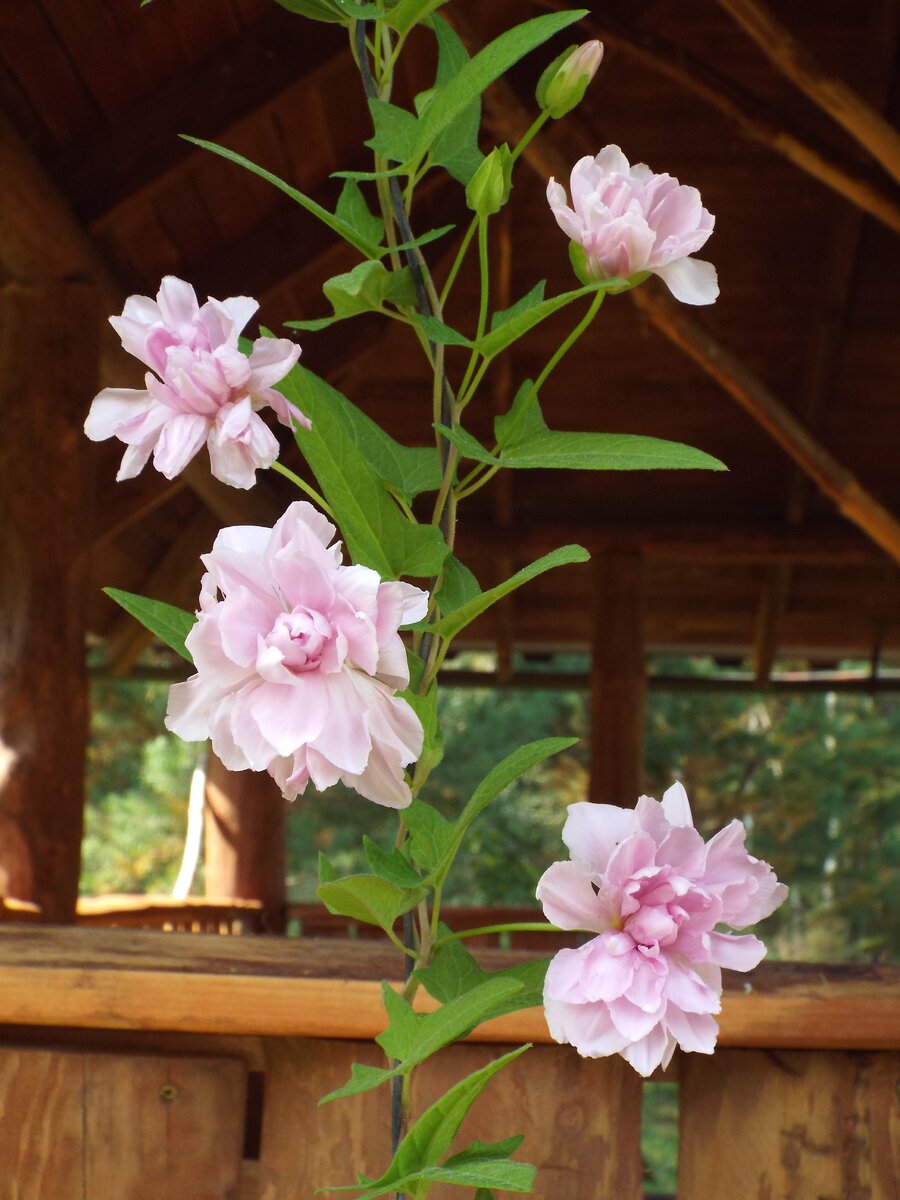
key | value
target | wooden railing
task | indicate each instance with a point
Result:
(140, 1066)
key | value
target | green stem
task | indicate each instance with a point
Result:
(474, 481)
(514, 927)
(569, 341)
(303, 486)
(529, 134)
(458, 261)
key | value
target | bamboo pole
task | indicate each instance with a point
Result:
(831, 94)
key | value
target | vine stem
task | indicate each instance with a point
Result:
(514, 927)
(303, 486)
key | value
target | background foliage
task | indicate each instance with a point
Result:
(815, 777)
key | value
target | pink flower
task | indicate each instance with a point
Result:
(644, 881)
(626, 220)
(298, 658)
(204, 388)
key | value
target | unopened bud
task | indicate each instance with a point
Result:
(488, 189)
(565, 81)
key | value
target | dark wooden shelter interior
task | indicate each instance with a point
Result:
(791, 557)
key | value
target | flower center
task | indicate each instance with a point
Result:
(301, 638)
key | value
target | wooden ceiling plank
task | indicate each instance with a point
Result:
(115, 164)
(836, 98)
(826, 339)
(505, 114)
(131, 504)
(747, 112)
(32, 53)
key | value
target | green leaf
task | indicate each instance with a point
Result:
(327, 872)
(432, 834)
(367, 287)
(488, 64)
(468, 446)
(451, 624)
(426, 709)
(519, 323)
(507, 771)
(170, 624)
(430, 1137)
(341, 228)
(409, 470)
(353, 210)
(411, 1038)
(453, 970)
(526, 443)
(395, 131)
(456, 149)
(390, 865)
(339, 449)
(399, 1039)
(407, 13)
(359, 12)
(458, 585)
(439, 333)
(369, 899)
(529, 300)
(316, 10)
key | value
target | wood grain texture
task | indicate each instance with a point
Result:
(41, 1124)
(92, 1126)
(789, 1126)
(200, 983)
(48, 352)
(305, 1146)
(580, 1118)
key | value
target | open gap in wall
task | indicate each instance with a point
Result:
(659, 1140)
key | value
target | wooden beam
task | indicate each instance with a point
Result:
(830, 93)
(618, 680)
(852, 499)
(279, 52)
(745, 110)
(48, 364)
(244, 854)
(297, 987)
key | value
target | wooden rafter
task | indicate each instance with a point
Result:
(844, 105)
(122, 160)
(832, 478)
(508, 118)
(825, 342)
(746, 112)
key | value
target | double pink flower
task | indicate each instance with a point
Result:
(652, 891)
(298, 660)
(626, 219)
(200, 388)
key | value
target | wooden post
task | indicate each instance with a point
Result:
(48, 353)
(618, 680)
(245, 831)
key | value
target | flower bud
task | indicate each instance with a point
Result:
(488, 189)
(565, 81)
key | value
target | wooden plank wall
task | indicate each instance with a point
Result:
(84, 1124)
